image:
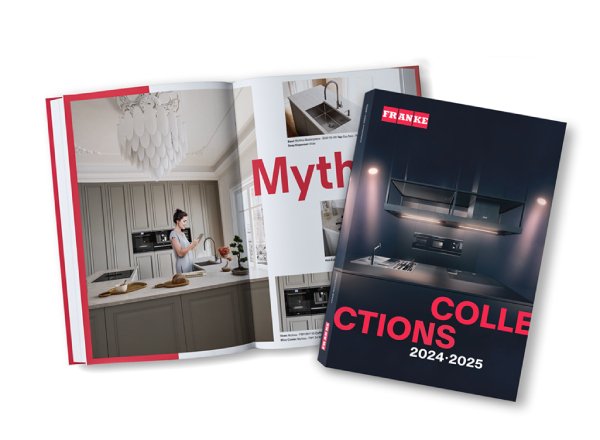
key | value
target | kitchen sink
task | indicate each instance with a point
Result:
(388, 263)
(327, 117)
(199, 264)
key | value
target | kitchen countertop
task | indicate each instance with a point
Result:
(437, 277)
(213, 278)
(314, 96)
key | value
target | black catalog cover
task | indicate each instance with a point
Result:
(441, 244)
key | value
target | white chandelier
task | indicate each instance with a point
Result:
(151, 134)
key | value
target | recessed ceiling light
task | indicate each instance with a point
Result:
(373, 170)
(542, 201)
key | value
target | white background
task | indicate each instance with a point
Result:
(537, 60)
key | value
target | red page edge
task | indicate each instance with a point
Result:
(68, 99)
(59, 232)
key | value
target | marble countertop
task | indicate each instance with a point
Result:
(212, 279)
(314, 96)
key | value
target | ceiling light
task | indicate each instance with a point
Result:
(542, 201)
(151, 134)
(373, 171)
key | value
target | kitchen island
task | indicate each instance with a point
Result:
(214, 311)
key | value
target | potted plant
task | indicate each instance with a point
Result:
(237, 249)
(224, 252)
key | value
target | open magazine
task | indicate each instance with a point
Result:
(202, 219)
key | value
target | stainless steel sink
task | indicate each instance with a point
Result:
(206, 263)
(327, 117)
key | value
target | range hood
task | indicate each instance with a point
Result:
(453, 208)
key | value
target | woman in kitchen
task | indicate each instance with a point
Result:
(184, 257)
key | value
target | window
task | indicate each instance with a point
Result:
(250, 222)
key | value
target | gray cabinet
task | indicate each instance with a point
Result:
(111, 212)
(320, 279)
(162, 218)
(140, 207)
(261, 310)
(98, 331)
(217, 319)
(213, 213)
(145, 263)
(317, 322)
(165, 264)
(196, 209)
(145, 327)
(97, 231)
(295, 281)
(300, 323)
(120, 243)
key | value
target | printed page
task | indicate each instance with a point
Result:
(158, 277)
(296, 142)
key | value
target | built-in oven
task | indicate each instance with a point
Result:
(297, 302)
(320, 296)
(162, 240)
(143, 242)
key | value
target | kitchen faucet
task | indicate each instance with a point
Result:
(373, 253)
(217, 258)
(338, 103)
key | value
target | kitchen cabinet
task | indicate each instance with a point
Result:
(213, 213)
(120, 244)
(145, 327)
(299, 323)
(162, 218)
(217, 319)
(177, 197)
(111, 212)
(196, 209)
(97, 231)
(317, 322)
(295, 281)
(146, 265)
(165, 263)
(98, 331)
(140, 208)
(261, 310)
(320, 279)
(205, 212)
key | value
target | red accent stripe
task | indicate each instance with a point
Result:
(61, 253)
(154, 357)
(77, 209)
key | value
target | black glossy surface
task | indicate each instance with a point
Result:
(439, 278)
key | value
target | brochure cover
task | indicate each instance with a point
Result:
(437, 265)
(178, 209)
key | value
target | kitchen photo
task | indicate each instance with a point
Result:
(174, 245)
(302, 300)
(316, 107)
(454, 213)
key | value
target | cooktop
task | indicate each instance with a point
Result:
(116, 275)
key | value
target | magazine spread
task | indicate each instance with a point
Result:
(438, 259)
(202, 219)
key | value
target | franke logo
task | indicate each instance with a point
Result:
(405, 117)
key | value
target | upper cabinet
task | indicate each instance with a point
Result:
(140, 207)
(106, 224)
(160, 206)
(111, 212)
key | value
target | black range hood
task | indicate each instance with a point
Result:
(453, 208)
